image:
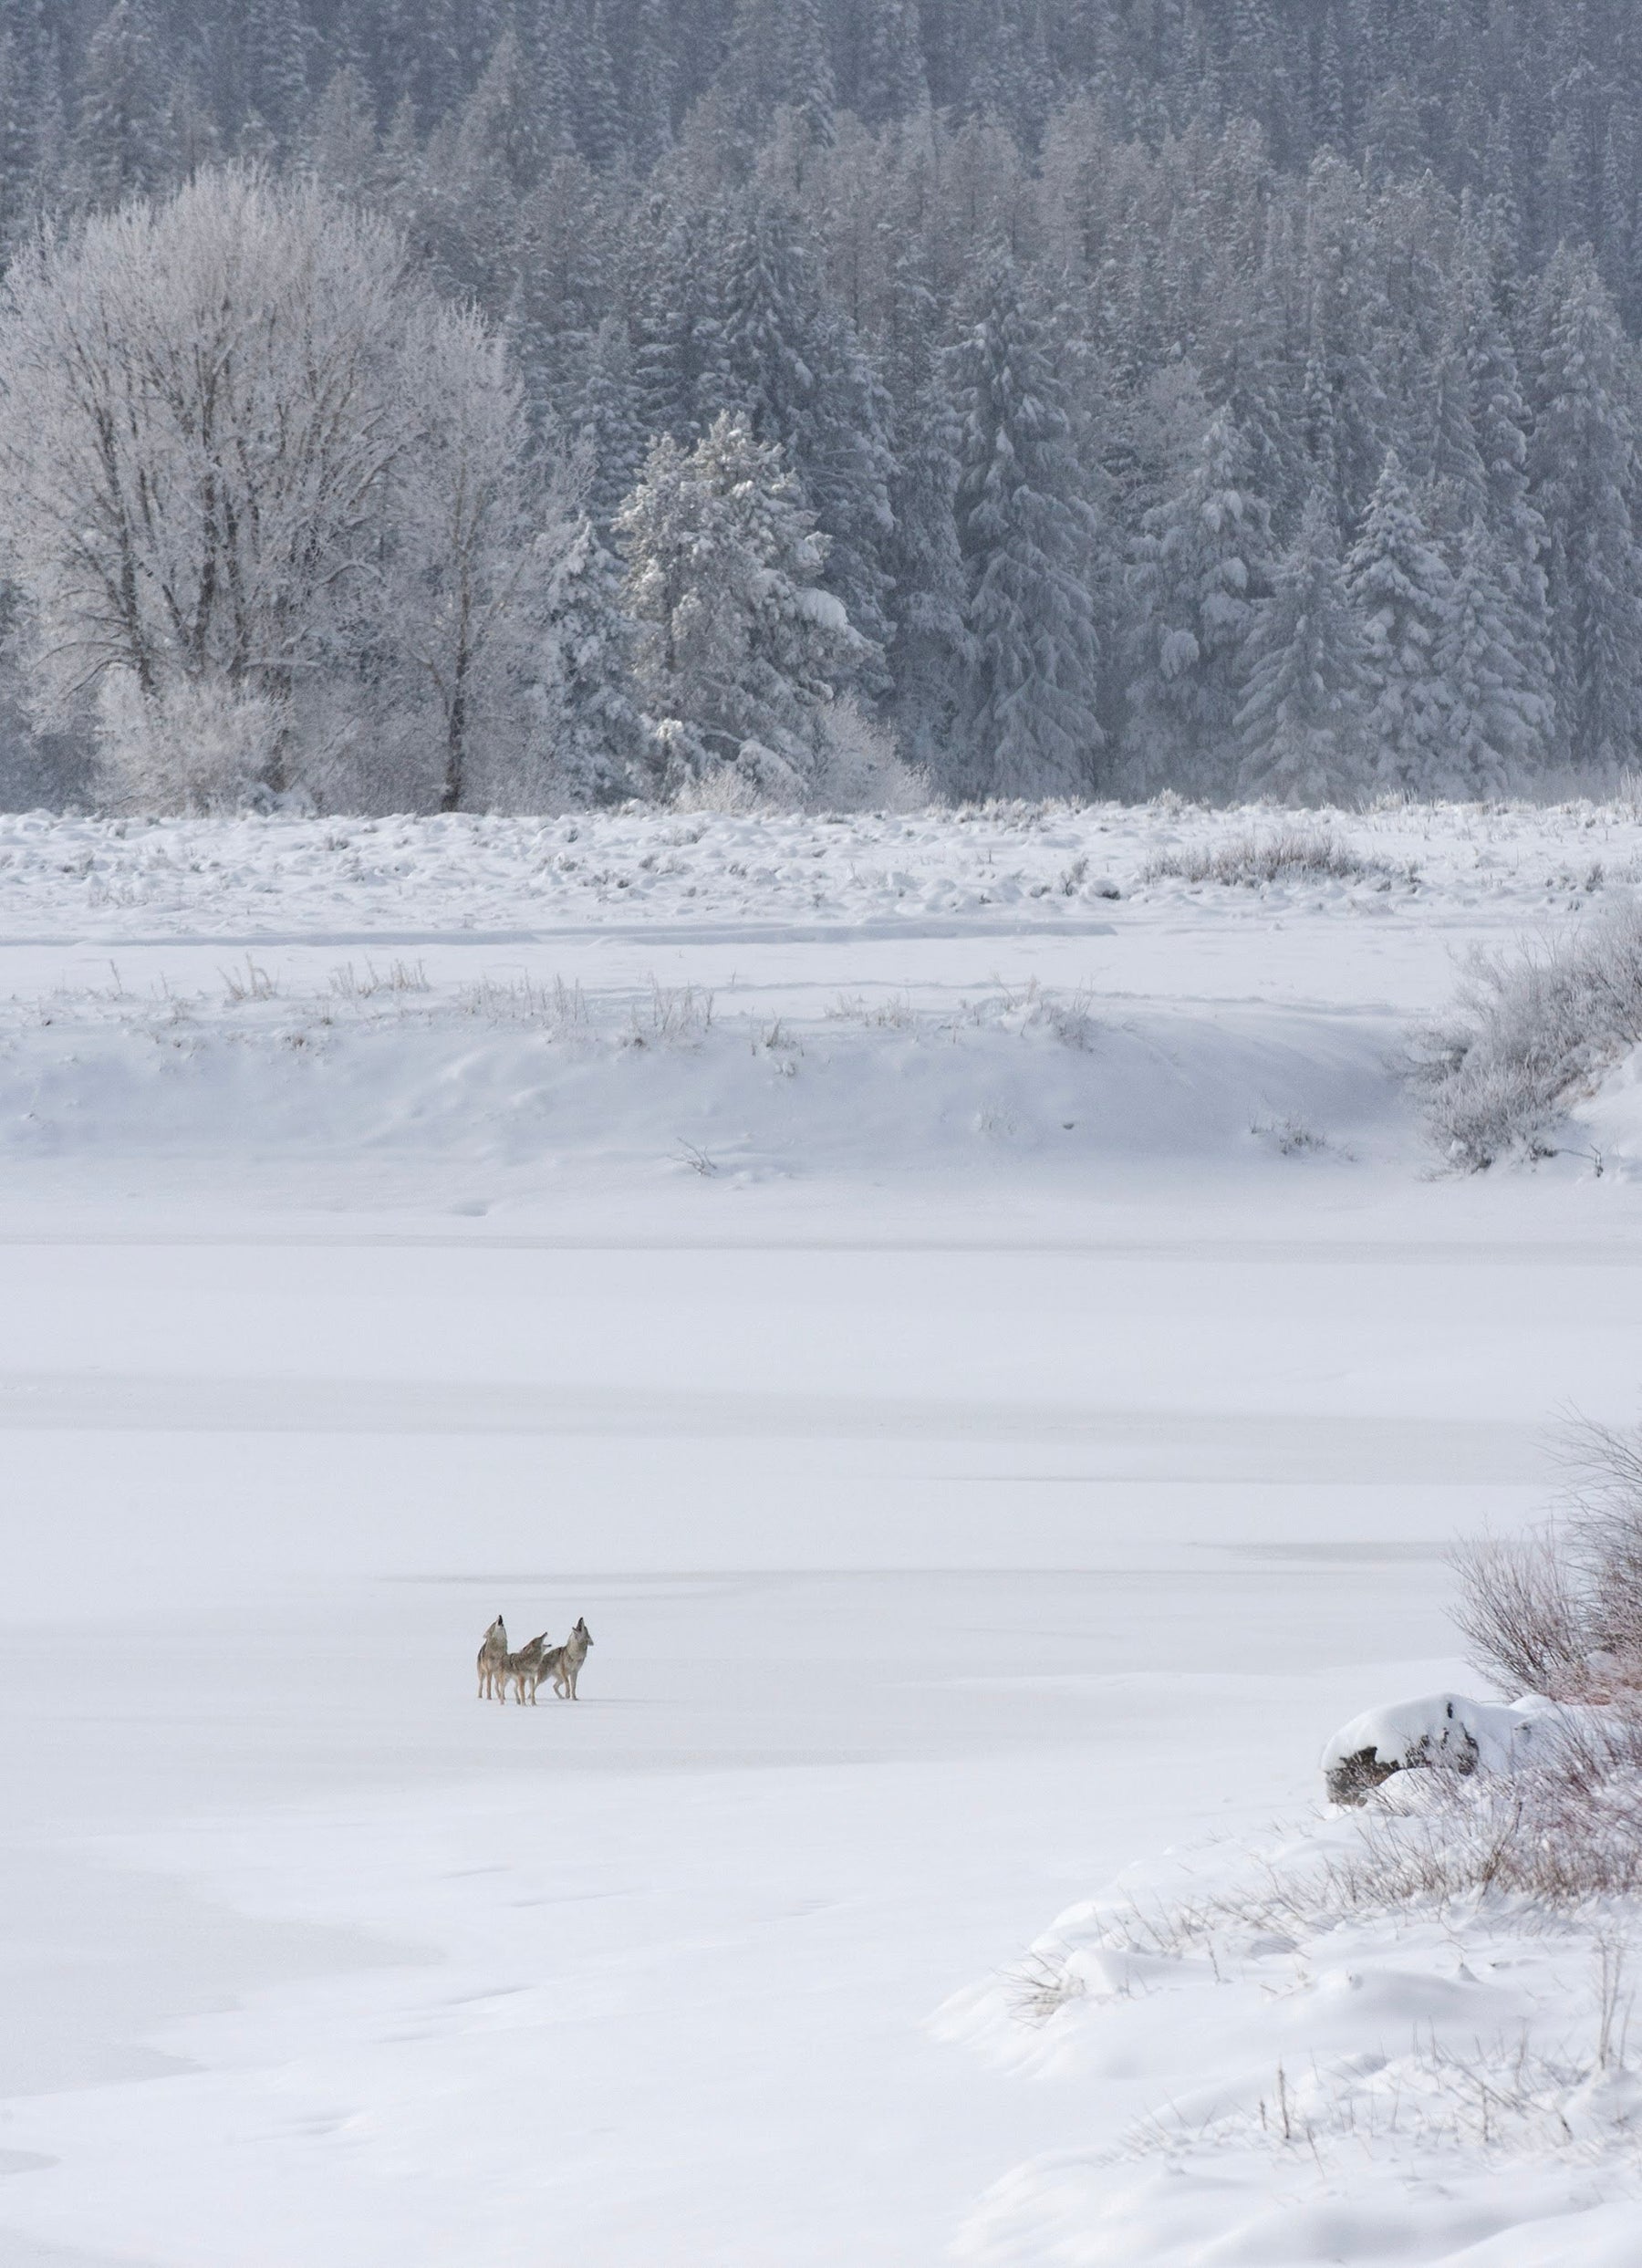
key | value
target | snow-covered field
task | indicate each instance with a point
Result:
(972, 1324)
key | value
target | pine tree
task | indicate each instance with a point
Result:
(650, 87)
(598, 413)
(1202, 563)
(274, 61)
(796, 371)
(779, 59)
(121, 141)
(1494, 723)
(16, 141)
(1027, 533)
(596, 114)
(892, 81)
(1399, 585)
(1304, 718)
(672, 323)
(588, 740)
(932, 651)
(1455, 476)
(1583, 471)
(1501, 421)
(740, 648)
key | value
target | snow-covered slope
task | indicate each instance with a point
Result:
(394, 1006)
(1269, 2076)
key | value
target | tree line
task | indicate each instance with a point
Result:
(1089, 398)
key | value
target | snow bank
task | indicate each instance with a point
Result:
(991, 990)
(515, 1076)
(1276, 2078)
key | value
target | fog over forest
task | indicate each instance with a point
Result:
(419, 404)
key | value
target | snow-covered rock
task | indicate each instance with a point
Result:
(1446, 1730)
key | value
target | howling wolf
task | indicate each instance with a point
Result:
(493, 1652)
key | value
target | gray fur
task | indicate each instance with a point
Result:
(563, 1665)
(493, 1652)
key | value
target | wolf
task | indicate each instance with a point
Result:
(563, 1665)
(491, 1653)
(523, 1669)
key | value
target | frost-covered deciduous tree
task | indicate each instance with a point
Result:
(740, 648)
(1303, 721)
(471, 547)
(247, 455)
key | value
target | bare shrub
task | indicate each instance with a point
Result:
(1559, 1612)
(1604, 1542)
(1519, 1617)
(1529, 1030)
(1292, 853)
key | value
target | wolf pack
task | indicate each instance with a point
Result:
(536, 1660)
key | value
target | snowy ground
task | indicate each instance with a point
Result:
(990, 1362)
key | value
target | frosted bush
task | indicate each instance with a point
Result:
(193, 747)
(1529, 1030)
(722, 791)
(859, 768)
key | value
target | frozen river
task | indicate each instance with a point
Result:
(1036, 1424)
(929, 1585)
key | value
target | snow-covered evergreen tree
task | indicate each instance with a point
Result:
(932, 651)
(1400, 586)
(1584, 470)
(1304, 720)
(1028, 532)
(275, 60)
(796, 372)
(121, 143)
(740, 648)
(1495, 722)
(587, 745)
(1202, 563)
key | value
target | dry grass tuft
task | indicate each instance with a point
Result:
(1249, 860)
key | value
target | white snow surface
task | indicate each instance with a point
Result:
(975, 1331)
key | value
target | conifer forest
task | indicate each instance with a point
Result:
(525, 404)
